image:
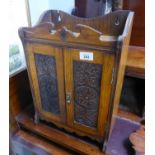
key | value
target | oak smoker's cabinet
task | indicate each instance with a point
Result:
(76, 68)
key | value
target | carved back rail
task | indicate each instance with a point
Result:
(59, 26)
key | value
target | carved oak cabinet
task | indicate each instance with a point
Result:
(76, 68)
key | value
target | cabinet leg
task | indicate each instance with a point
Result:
(36, 118)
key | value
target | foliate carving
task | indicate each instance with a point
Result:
(87, 82)
(46, 72)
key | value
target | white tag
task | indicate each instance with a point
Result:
(86, 56)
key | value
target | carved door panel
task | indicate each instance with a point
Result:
(88, 77)
(45, 65)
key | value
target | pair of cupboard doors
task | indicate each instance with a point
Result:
(71, 87)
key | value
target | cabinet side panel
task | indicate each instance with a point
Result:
(87, 82)
(46, 72)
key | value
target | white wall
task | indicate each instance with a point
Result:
(37, 7)
(64, 5)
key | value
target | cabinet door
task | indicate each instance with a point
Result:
(88, 76)
(45, 66)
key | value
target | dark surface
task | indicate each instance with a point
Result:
(133, 95)
(93, 8)
(138, 32)
(46, 72)
(24, 148)
(119, 143)
(87, 83)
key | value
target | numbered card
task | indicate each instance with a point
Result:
(86, 56)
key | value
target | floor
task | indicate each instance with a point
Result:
(119, 143)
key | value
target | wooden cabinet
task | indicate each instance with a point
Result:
(76, 68)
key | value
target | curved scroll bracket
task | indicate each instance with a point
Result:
(89, 31)
(63, 33)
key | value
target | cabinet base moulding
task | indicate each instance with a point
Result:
(57, 136)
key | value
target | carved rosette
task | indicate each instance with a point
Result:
(46, 73)
(87, 81)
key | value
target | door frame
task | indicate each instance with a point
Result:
(106, 87)
(36, 48)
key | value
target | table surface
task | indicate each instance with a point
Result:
(135, 65)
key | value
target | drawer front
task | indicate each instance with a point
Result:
(46, 71)
(88, 77)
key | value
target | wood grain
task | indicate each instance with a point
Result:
(128, 115)
(135, 65)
